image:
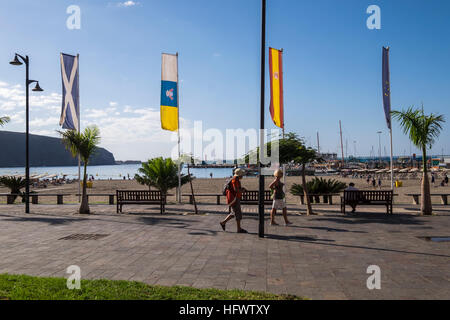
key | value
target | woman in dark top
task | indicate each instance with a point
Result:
(279, 201)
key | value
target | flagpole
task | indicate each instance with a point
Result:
(392, 159)
(284, 165)
(283, 123)
(79, 130)
(387, 103)
(179, 137)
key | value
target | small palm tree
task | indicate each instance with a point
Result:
(4, 120)
(15, 185)
(83, 144)
(292, 149)
(422, 130)
(160, 173)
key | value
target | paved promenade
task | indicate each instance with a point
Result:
(320, 257)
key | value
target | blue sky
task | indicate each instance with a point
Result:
(332, 65)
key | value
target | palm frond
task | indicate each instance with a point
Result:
(83, 144)
(421, 129)
(160, 173)
(4, 120)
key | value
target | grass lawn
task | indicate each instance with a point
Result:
(21, 287)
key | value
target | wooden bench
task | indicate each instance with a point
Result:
(315, 198)
(217, 195)
(368, 197)
(416, 197)
(140, 197)
(252, 198)
(34, 196)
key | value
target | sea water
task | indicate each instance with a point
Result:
(114, 172)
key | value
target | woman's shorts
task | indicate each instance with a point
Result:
(279, 204)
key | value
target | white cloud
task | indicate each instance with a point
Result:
(127, 4)
(128, 132)
(18, 117)
(39, 122)
(12, 97)
(95, 113)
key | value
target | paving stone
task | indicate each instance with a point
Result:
(320, 257)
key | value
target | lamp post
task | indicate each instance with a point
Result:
(261, 143)
(37, 88)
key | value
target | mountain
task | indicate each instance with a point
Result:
(44, 152)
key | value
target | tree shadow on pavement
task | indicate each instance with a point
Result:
(50, 220)
(185, 224)
(327, 229)
(295, 238)
(367, 218)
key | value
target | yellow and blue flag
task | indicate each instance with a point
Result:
(169, 92)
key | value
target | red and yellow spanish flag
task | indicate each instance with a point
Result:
(276, 86)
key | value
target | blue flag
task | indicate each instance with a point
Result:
(70, 112)
(386, 87)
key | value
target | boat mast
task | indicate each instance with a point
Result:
(342, 144)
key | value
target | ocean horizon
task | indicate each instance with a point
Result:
(114, 172)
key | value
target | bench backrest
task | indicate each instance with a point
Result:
(368, 195)
(141, 195)
(253, 196)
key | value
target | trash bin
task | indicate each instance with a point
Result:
(398, 184)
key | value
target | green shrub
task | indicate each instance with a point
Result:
(14, 184)
(319, 186)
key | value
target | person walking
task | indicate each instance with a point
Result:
(379, 182)
(279, 202)
(433, 179)
(374, 183)
(234, 195)
(446, 179)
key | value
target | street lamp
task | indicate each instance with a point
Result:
(261, 135)
(37, 88)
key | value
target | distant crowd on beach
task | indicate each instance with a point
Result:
(377, 180)
(44, 183)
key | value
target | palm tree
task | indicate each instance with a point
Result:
(82, 144)
(160, 173)
(292, 149)
(15, 185)
(4, 120)
(422, 130)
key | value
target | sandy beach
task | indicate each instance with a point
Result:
(214, 186)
